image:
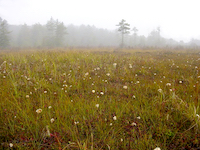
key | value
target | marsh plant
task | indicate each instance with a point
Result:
(98, 99)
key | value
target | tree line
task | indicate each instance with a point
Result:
(56, 34)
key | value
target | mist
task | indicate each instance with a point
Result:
(93, 24)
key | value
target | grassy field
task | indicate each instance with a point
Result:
(93, 99)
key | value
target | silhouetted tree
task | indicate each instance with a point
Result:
(24, 36)
(124, 29)
(135, 30)
(55, 33)
(60, 33)
(4, 34)
(37, 33)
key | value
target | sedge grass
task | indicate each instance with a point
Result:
(132, 112)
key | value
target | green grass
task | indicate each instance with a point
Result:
(64, 80)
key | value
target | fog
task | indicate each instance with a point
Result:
(93, 23)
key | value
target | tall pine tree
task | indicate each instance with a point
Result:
(124, 29)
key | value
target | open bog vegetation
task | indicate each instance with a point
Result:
(100, 99)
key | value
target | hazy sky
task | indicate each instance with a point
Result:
(179, 19)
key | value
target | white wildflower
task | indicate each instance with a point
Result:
(115, 118)
(108, 74)
(157, 148)
(76, 122)
(39, 110)
(125, 87)
(52, 120)
(50, 107)
(133, 124)
(160, 90)
(93, 91)
(168, 84)
(97, 105)
(197, 115)
(11, 144)
(138, 117)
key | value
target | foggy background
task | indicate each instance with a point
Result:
(92, 23)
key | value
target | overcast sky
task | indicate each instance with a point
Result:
(178, 19)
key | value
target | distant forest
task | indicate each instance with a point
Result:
(55, 34)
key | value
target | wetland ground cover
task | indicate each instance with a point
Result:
(99, 99)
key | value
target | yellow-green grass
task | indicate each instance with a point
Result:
(149, 99)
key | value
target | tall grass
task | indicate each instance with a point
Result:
(96, 99)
